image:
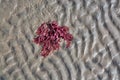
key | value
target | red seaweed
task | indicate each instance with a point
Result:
(49, 35)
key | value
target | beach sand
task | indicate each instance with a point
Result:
(94, 53)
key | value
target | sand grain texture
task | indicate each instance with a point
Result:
(94, 53)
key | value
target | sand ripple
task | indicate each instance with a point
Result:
(93, 55)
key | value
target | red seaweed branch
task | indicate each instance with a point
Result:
(49, 35)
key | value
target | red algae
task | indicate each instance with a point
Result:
(49, 35)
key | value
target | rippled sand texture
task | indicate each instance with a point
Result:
(93, 55)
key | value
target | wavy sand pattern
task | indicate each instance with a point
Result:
(93, 55)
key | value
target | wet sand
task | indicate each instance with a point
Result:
(94, 53)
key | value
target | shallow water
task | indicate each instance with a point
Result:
(94, 53)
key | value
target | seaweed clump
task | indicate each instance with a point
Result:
(49, 35)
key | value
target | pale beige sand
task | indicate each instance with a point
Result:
(93, 55)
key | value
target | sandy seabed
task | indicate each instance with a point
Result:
(94, 53)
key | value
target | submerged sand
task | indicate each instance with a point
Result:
(94, 53)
